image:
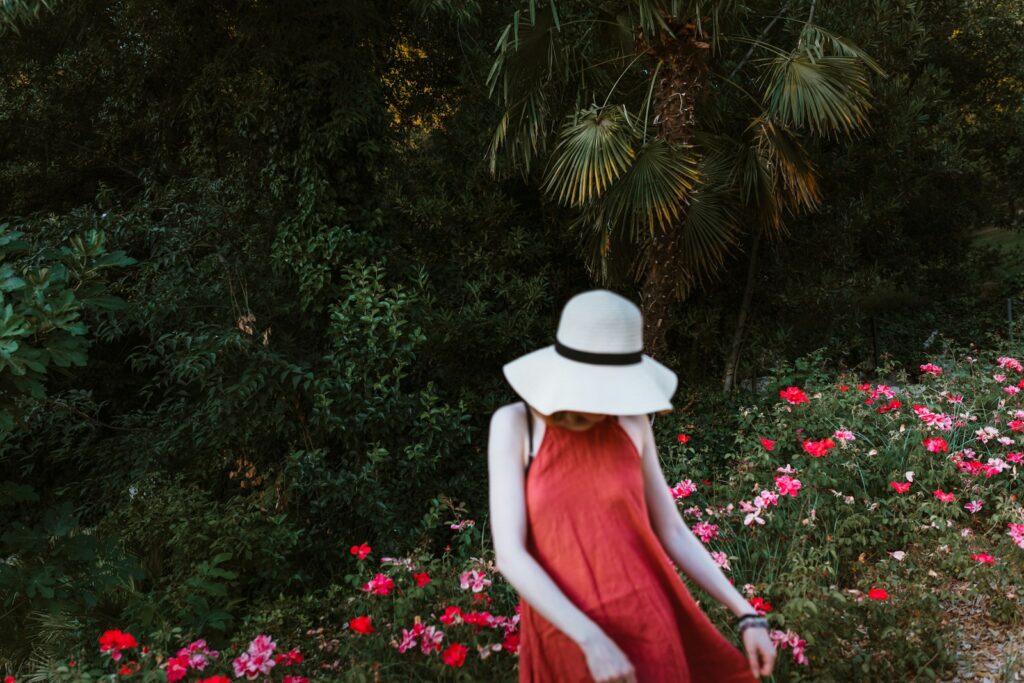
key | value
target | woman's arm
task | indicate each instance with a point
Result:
(682, 546)
(508, 527)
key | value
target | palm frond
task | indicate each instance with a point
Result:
(607, 251)
(651, 16)
(826, 95)
(752, 174)
(795, 177)
(464, 12)
(708, 231)
(528, 61)
(712, 226)
(16, 13)
(714, 10)
(527, 139)
(595, 148)
(815, 38)
(653, 192)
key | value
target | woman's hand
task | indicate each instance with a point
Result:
(760, 651)
(606, 661)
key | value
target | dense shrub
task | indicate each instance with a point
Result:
(853, 514)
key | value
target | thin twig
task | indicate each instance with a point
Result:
(90, 418)
(763, 33)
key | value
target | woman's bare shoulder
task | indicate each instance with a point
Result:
(507, 412)
(509, 419)
(507, 433)
(638, 427)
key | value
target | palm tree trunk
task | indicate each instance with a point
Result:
(658, 293)
(732, 363)
(682, 79)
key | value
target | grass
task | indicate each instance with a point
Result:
(1007, 241)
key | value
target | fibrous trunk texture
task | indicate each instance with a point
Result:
(685, 60)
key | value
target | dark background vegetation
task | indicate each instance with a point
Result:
(289, 338)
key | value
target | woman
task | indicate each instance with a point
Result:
(584, 525)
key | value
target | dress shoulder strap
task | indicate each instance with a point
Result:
(529, 430)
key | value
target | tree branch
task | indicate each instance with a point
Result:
(764, 32)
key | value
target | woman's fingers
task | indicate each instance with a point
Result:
(755, 667)
(768, 658)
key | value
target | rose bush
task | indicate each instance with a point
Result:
(852, 514)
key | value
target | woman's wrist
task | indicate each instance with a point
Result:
(748, 621)
(739, 606)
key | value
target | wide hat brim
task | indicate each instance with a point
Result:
(551, 382)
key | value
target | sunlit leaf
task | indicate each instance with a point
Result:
(595, 147)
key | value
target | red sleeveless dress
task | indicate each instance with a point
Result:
(587, 526)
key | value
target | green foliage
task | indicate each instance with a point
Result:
(820, 552)
(258, 286)
(45, 295)
(14, 13)
(55, 567)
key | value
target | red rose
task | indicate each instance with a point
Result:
(878, 594)
(511, 643)
(455, 655)
(361, 625)
(360, 551)
(451, 615)
(113, 641)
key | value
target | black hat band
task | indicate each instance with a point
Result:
(629, 358)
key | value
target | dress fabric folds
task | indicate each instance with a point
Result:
(588, 527)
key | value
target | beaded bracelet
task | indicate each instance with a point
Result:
(750, 621)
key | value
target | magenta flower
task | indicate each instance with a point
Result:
(409, 636)
(753, 513)
(1008, 363)
(720, 558)
(1016, 533)
(784, 639)
(787, 485)
(844, 435)
(705, 531)
(795, 395)
(474, 579)
(683, 489)
(257, 660)
(380, 584)
(431, 640)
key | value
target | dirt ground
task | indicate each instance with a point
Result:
(989, 652)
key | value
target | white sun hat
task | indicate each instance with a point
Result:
(596, 364)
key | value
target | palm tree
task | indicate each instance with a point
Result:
(669, 127)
